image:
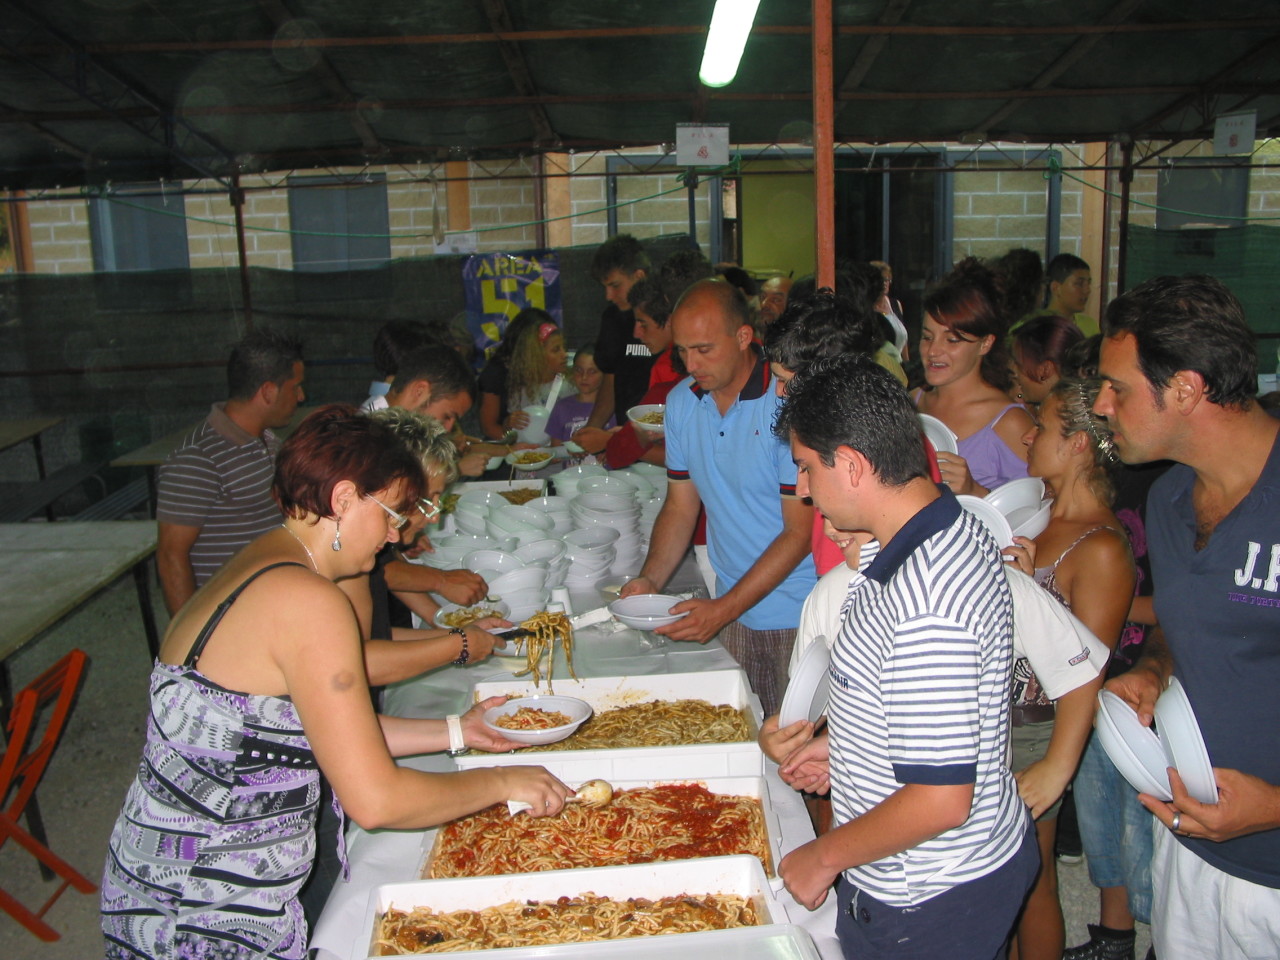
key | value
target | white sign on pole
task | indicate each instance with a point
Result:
(702, 145)
(1235, 133)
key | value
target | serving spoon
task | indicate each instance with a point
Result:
(593, 793)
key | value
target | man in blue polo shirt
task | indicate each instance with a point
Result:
(722, 454)
(1178, 366)
(934, 848)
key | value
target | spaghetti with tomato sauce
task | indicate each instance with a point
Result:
(667, 822)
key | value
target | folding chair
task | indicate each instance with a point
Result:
(20, 772)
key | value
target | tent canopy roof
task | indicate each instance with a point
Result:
(118, 90)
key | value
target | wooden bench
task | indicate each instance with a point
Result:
(116, 505)
(41, 494)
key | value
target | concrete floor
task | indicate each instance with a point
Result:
(87, 779)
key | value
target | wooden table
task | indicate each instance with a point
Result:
(47, 570)
(157, 451)
(14, 432)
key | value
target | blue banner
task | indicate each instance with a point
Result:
(499, 285)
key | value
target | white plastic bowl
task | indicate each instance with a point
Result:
(646, 611)
(546, 551)
(647, 429)
(494, 560)
(526, 578)
(1024, 493)
(547, 454)
(579, 711)
(594, 540)
(529, 516)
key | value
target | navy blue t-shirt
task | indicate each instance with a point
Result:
(1220, 610)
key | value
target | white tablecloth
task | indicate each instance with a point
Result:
(391, 856)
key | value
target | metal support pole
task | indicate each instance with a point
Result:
(246, 291)
(824, 145)
(1126, 180)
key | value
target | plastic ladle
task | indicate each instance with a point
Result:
(593, 793)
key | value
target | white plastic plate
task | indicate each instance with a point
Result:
(1183, 744)
(1133, 748)
(809, 687)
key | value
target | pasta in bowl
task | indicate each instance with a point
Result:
(538, 720)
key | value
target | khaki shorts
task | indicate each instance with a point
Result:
(1030, 743)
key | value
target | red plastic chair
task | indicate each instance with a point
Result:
(21, 768)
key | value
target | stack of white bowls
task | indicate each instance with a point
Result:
(551, 555)
(523, 523)
(567, 480)
(557, 508)
(613, 511)
(491, 564)
(524, 590)
(591, 555)
(450, 553)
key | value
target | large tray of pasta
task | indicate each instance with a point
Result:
(716, 881)
(733, 754)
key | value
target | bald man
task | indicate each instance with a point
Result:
(722, 455)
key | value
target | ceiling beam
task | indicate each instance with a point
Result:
(657, 31)
(1215, 85)
(870, 51)
(66, 146)
(271, 109)
(105, 87)
(1069, 58)
(280, 15)
(500, 19)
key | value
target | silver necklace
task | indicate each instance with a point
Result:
(310, 557)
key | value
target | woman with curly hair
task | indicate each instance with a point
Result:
(967, 379)
(1083, 560)
(518, 374)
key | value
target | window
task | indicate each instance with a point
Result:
(1202, 191)
(139, 226)
(342, 225)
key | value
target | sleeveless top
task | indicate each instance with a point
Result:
(991, 461)
(1026, 687)
(217, 833)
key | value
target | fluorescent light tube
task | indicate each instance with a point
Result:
(726, 39)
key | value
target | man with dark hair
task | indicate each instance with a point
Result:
(1178, 364)
(935, 847)
(1070, 283)
(214, 492)
(432, 380)
(624, 360)
(721, 454)
(393, 342)
(817, 326)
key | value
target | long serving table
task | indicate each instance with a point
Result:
(392, 856)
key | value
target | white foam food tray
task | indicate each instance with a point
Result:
(689, 761)
(755, 787)
(741, 876)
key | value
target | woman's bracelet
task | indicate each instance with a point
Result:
(465, 656)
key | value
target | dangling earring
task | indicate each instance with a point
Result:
(337, 536)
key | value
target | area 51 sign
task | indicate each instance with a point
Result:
(499, 285)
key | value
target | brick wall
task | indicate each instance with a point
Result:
(60, 235)
(997, 206)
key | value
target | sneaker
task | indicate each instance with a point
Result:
(1103, 945)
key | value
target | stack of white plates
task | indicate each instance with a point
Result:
(523, 590)
(614, 511)
(470, 516)
(567, 480)
(551, 555)
(615, 483)
(1023, 504)
(591, 554)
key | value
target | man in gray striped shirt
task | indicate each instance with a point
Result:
(214, 492)
(933, 849)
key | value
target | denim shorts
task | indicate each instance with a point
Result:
(1115, 829)
(971, 921)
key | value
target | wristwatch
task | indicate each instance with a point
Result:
(465, 656)
(457, 746)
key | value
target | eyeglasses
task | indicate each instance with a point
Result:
(398, 520)
(429, 508)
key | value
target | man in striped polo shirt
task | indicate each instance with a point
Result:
(933, 849)
(214, 493)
